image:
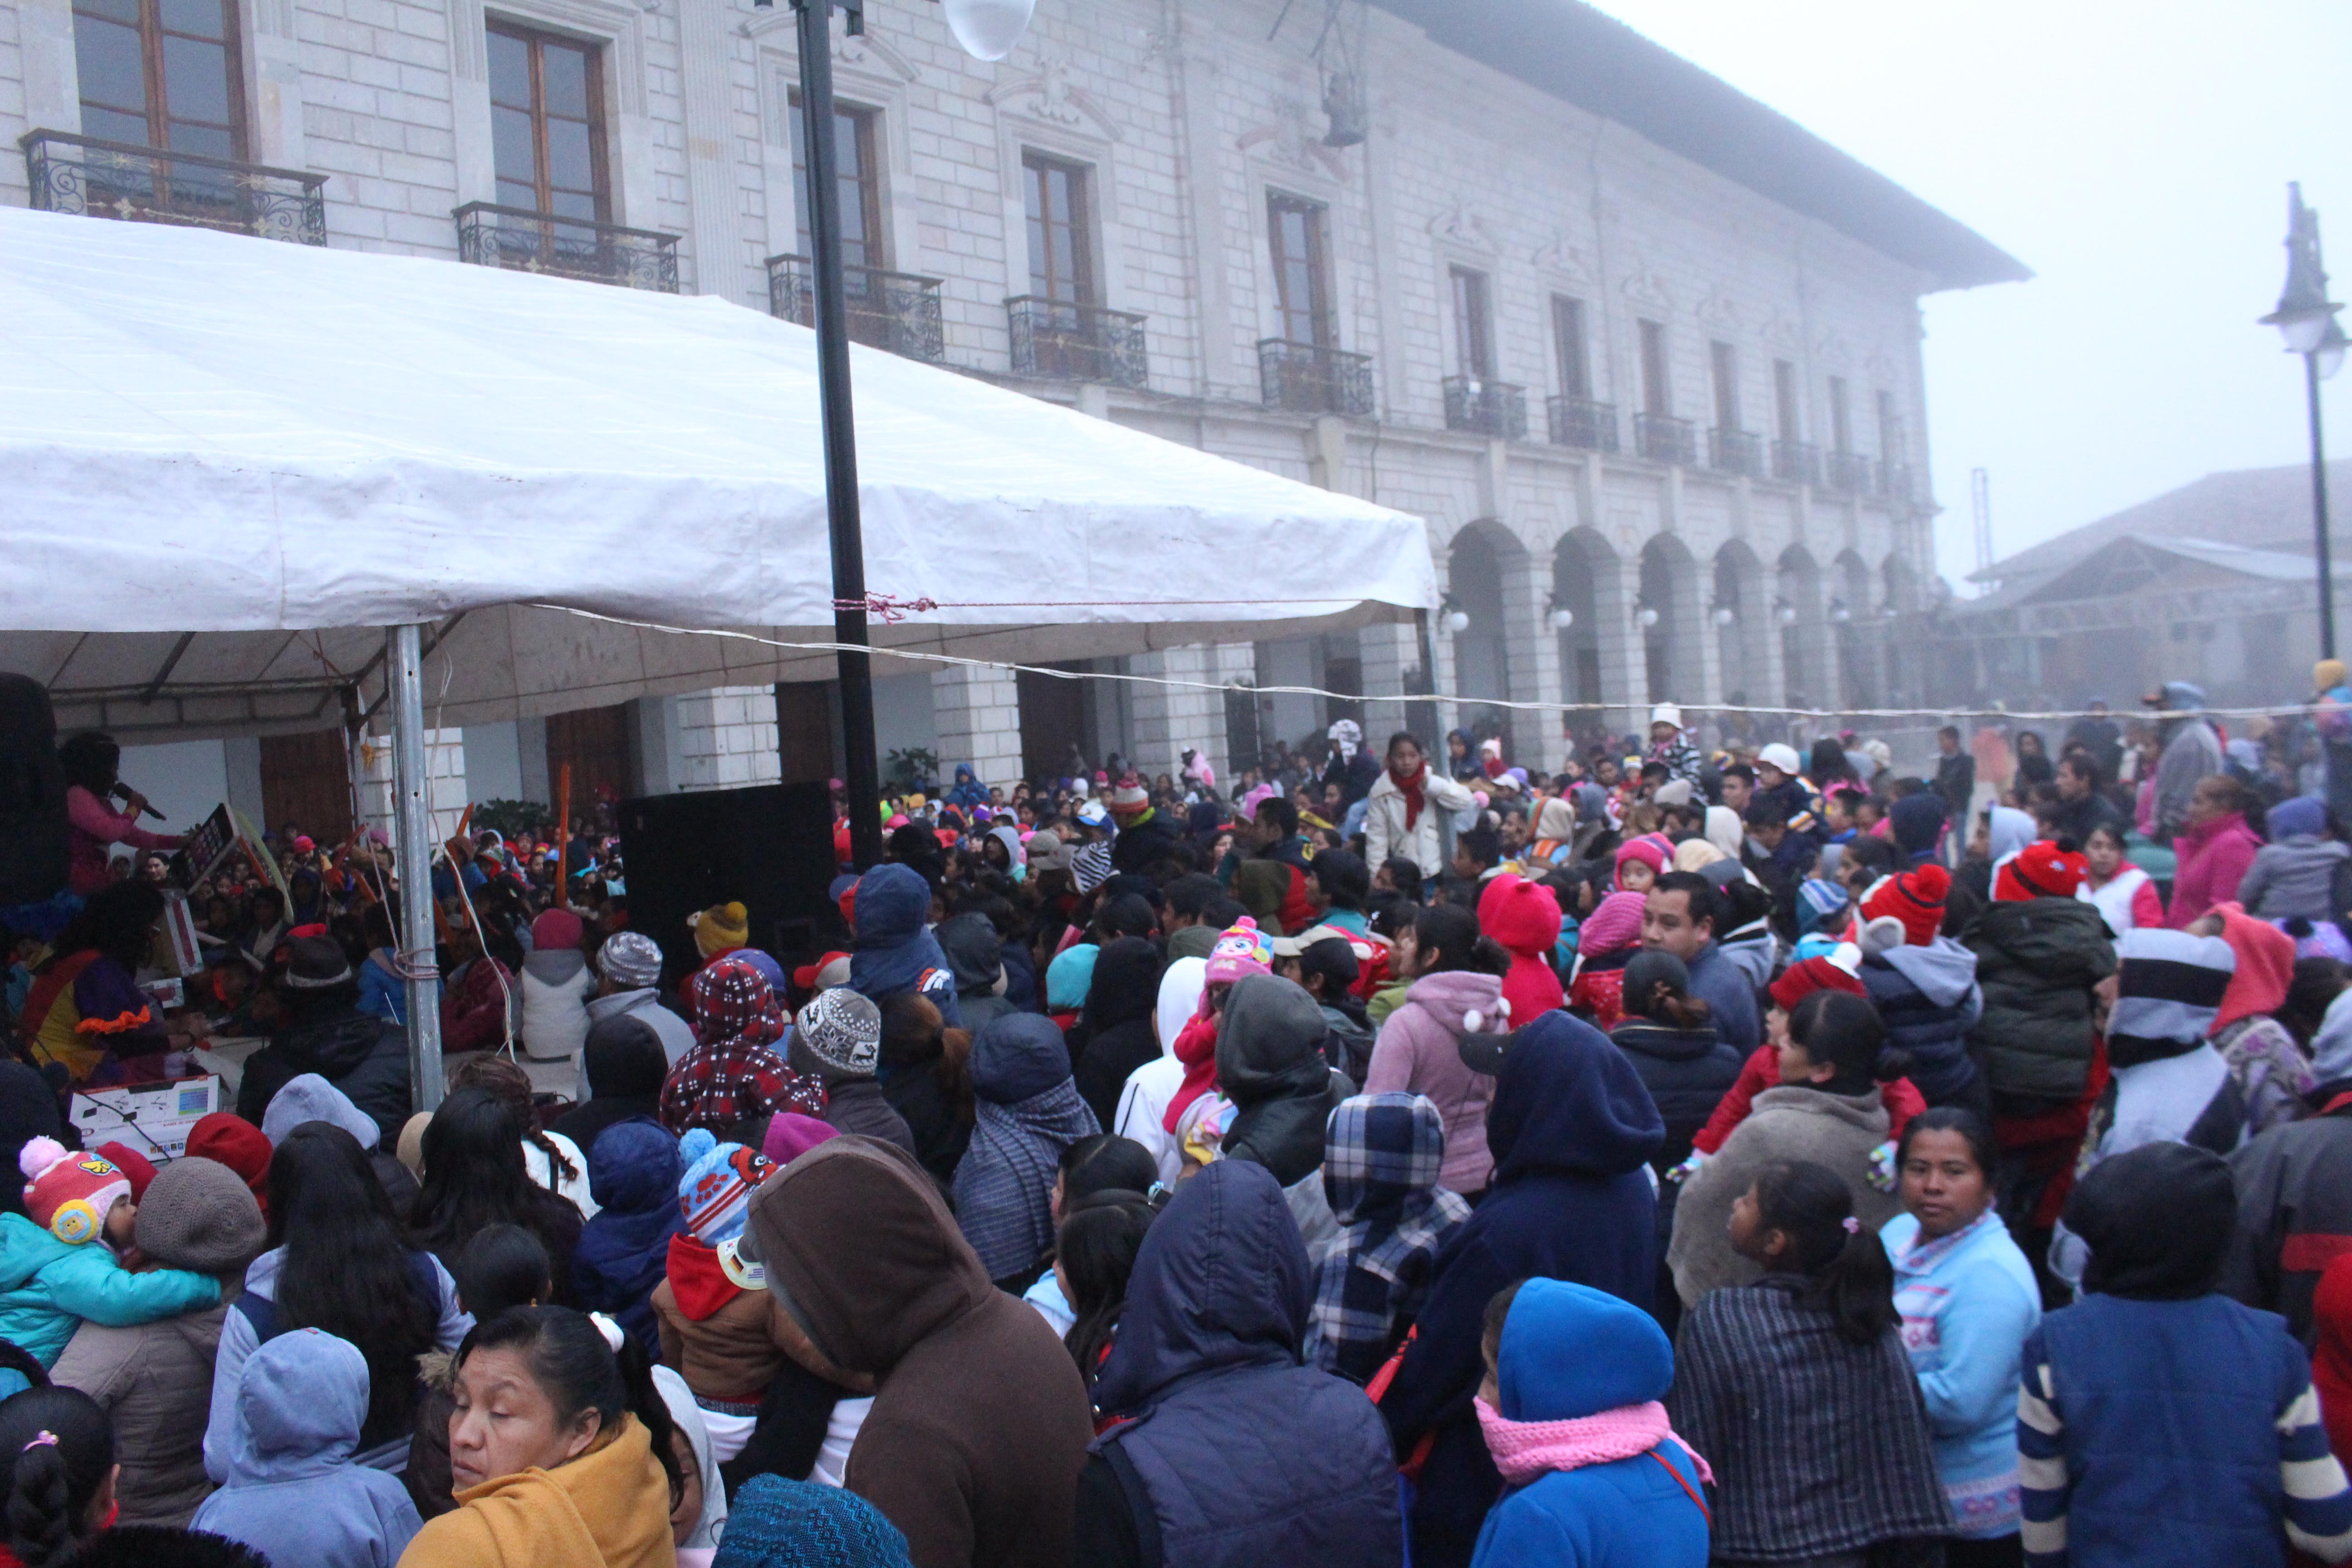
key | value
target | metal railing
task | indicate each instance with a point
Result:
(1735, 452)
(1797, 462)
(1055, 340)
(895, 311)
(1850, 472)
(522, 240)
(95, 178)
(1488, 408)
(1663, 439)
(1580, 422)
(1304, 378)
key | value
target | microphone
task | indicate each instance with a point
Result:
(122, 792)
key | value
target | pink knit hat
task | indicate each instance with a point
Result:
(1615, 926)
(1242, 950)
(68, 1194)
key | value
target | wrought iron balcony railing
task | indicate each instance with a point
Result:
(1488, 408)
(1796, 462)
(1302, 378)
(1580, 422)
(1894, 482)
(525, 241)
(147, 185)
(1663, 439)
(895, 311)
(1850, 472)
(1735, 452)
(1055, 340)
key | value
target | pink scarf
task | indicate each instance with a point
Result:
(1528, 1450)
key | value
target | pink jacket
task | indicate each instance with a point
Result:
(96, 826)
(1417, 1053)
(2213, 860)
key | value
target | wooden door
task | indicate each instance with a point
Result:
(306, 785)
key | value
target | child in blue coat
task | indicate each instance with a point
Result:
(1593, 1475)
(57, 1264)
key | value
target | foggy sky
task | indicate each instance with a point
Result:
(2136, 157)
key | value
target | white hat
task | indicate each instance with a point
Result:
(1667, 713)
(1780, 755)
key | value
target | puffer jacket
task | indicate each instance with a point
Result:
(154, 1380)
(633, 1173)
(1928, 999)
(556, 986)
(2214, 858)
(1418, 1051)
(2038, 961)
(1686, 1071)
(363, 1055)
(47, 1288)
(714, 1328)
(2293, 877)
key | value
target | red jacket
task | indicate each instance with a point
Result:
(1762, 1071)
(2213, 860)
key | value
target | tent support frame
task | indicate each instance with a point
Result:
(413, 852)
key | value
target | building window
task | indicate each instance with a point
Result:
(1061, 251)
(1722, 361)
(547, 124)
(1473, 325)
(1302, 287)
(857, 177)
(1787, 426)
(1657, 394)
(1568, 347)
(1841, 417)
(1890, 431)
(162, 73)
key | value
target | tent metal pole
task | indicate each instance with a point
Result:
(413, 840)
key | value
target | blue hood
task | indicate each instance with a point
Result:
(303, 1396)
(894, 954)
(1017, 1056)
(1568, 1101)
(634, 1167)
(1570, 1351)
(892, 901)
(1221, 1282)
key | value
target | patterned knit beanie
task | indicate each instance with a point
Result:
(67, 1194)
(773, 1522)
(1242, 950)
(715, 1193)
(630, 960)
(843, 1030)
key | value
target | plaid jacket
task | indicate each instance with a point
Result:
(1382, 1157)
(728, 1082)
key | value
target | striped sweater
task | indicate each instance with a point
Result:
(2173, 1434)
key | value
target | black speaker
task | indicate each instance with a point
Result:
(769, 847)
(32, 795)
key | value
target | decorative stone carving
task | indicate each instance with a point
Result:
(1459, 225)
(1050, 94)
(1557, 256)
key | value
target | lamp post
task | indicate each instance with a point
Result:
(987, 29)
(2306, 319)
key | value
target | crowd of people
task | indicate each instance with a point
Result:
(1707, 1153)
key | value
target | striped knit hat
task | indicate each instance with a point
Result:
(715, 1193)
(2169, 990)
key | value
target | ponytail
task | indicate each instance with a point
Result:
(1845, 1264)
(646, 1404)
(59, 1448)
(1102, 1233)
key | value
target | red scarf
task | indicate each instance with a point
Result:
(1410, 789)
(1196, 1047)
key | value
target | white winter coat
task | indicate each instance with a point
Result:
(1384, 829)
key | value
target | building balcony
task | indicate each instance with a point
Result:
(525, 241)
(1303, 378)
(1580, 422)
(93, 178)
(1487, 407)
(1055, 340)
(1894, 482)
(1797, 462)
(895, 311)
(1850, 472)
(1735, 452)
(1663, 439)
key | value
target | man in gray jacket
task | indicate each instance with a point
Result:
(2191, 752)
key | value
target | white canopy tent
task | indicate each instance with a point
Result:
(248, 486)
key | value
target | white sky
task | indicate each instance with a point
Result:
(2136, 157)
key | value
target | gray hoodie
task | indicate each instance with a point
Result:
(677, 1036)
(295, 1493)
(2295, 875)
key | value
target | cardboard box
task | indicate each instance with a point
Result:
(153, 1119)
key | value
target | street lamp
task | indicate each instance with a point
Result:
(1562, 617)
(988, 29)
(2305, 318)
(1457, 619)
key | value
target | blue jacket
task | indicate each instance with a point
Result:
(1730, 996)
(49, 1287)
(633, 1173)
(1237, 1454)
(895, 951)
(294, 1492)
(1568, 1352)
(1570, 1129)
(1929, 1000)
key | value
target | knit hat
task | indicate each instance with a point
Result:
(1614, 927)
(199, 1216)
(555, 930)
(132, 1163)
(790, 1135)
(230, 1139)
(1781, 756)
(307, 1097)
(1838, 970)
(1241, 951)
(630, 960)
(2327, 675)
(843, 1030)
(1071, 976)
(1817, 902)
(715, 1193)
(2040, 870)
(2169, 985)
(773, 1522)
(1129, 796)
(2159, 1220)
(1915, 900)
(1047, 852)
(720, 927)
(315, 962)
(67, 1194)
(1647, 849)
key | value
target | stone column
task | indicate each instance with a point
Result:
(727, 739)
(977, 710)
(1531, 659)
(1391, 655)
(1169, 719)
(1625, 665)
(444, 773)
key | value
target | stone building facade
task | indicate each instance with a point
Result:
(1648, 364)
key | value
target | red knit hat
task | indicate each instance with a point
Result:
(132, 1164)
(1915, 898)
(1838, 970)
(67, 1194)
(2040, 870)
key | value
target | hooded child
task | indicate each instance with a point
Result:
(1524, 917)
(557, 985)
(1026, 1111)
(1382, 1157)
(895, 949)
(712, 1308)
(1143, 1100)
(624, 1251)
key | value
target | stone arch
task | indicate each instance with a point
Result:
(1746, 641)
(1477, 560)
(1585, 582)
(1799, 611)
(1671, 656)
(1854, 623)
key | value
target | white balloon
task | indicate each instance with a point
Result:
(988, 29)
